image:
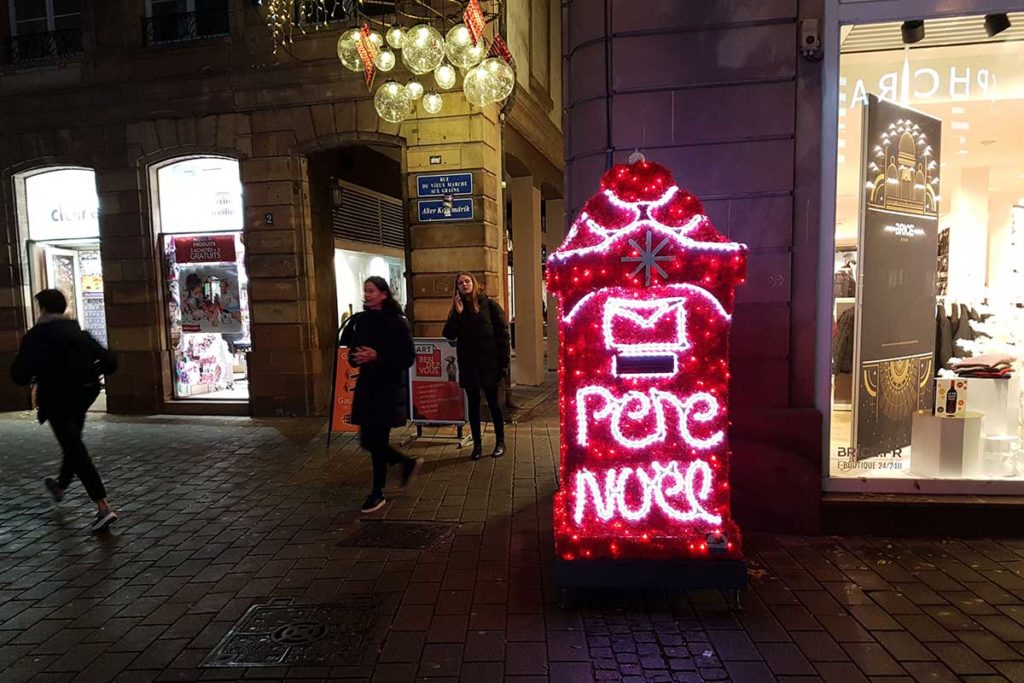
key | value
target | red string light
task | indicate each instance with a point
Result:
(645, 287)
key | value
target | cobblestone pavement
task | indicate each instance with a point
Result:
(222, 514)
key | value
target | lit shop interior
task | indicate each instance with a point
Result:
(59, 215)
(928, 288)
(199, 217)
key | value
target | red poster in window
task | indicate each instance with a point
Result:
(205, 249)
(645, 287)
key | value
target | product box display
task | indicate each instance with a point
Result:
(951, 397)
(946, 448)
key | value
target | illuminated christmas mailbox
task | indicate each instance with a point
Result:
(645, 288)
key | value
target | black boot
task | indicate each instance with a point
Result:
(499, 450)
(477, 452)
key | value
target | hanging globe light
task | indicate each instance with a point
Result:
(377, 39)
(392, 102)
(445, 76)
(503, 78)
(415, 89)
(459, 47)
(422, 49)
(478, 86)
(432, 102)
(348, 51)
(395, 37)
(385, 60)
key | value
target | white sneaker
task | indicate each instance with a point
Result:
(104, 518)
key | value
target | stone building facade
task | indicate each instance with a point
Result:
(718, 93)
(122, 104)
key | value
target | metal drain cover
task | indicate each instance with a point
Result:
(398, 534)
(283, 634)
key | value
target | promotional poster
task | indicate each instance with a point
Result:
(210, 300)
(435, 395)
(345, 375)
(899, 242)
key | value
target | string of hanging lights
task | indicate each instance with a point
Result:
(435, 40)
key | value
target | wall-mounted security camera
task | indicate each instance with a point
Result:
(810, 39)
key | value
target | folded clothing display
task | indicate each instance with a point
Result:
(991, 365)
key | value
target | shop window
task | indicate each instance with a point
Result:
(928, 290)
(44, 29)
(58, 210)
(353, 266)
(199, 214)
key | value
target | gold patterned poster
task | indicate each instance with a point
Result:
(895, 324)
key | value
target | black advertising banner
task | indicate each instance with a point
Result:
(898, 245)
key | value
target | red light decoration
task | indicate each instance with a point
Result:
(645, 287)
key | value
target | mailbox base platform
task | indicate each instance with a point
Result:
(710, 573)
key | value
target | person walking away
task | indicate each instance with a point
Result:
(477, 325)
(65, 363)
(380, 343)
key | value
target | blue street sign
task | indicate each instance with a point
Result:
(441, 184)
(461, 209)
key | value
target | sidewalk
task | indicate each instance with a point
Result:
(252, 525)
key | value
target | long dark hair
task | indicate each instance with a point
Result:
(390, 304)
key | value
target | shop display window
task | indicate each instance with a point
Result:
(207, 293)
(60, 209)
(928, 281)
(351, 268)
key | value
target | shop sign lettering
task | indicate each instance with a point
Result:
(212, 249)
(956, 83)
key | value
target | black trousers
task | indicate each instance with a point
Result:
(67, 427)
(491, 394)
(375, 439)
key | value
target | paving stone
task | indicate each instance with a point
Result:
(479, 605)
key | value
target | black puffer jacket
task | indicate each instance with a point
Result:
(482, 343)
(65, 363)
(382, 391)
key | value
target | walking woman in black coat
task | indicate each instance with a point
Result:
(478, 326)
(380, 344)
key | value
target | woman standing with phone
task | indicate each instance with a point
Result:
(380, 343)
(477, 324)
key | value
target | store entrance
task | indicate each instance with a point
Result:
(75, 269)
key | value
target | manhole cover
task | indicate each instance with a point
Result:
(398, 534)
(283, 634)
(299, 633)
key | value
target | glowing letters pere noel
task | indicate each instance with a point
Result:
(645, 288)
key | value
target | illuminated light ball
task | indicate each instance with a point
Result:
(392, 102)
(415, 89)
(459, 47)
(385, 60)
(396, 36)
(445, 76)
(422, 49)
(348, 51)
(477, 87)
(432, 102)
(377, 39)
(502, 74)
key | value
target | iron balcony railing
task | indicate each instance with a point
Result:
(42, 47)
(186, 26)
